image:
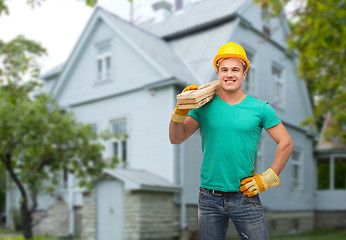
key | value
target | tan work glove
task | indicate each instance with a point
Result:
(252, 186)
(179, 115)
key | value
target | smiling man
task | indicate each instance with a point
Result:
(231, 126)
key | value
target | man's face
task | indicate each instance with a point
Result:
(231, 75)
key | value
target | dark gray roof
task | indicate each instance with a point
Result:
(198, 15)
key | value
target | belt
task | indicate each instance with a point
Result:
(217, 193)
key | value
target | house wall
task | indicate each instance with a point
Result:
(53, 221)
(89, 215)
(296, 105)
(330, 219)
(148, 116)
(129, 70)
(151, 215)
(253, 14)
(283, 198)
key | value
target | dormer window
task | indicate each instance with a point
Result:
(103, 61)
(266, 28)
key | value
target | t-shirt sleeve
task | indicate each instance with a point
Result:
(194, 113)
(269, 117)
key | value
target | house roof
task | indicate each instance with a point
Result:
(150, 37)
(53, 72)
(334, 144)
(198, 16)
(135, 179)
(161, 53)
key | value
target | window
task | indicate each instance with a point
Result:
(94, 127)
(103, 61)
(250, 86)
(278, 86)
(340, 173)
(119, 144)
(323, 174)
(296, 171)
(331, 173)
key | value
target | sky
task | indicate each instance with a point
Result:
(56, 24)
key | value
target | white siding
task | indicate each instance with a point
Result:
(294, 200)
(267, 54)
(148, 116)
(129, 70)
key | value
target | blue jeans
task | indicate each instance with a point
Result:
(214, 212)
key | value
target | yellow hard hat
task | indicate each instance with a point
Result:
(233, 50)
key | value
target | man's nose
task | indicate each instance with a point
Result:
(229, 74)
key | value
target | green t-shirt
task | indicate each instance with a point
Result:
(230, 137)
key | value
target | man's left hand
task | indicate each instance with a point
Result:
(251, 186)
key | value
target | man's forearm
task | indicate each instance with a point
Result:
(176, 132)
(283, 152)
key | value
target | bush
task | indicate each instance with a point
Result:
(17, 219)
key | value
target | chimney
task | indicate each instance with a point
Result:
(181, 4)
(162, 9)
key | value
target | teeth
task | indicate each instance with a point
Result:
(230, 80)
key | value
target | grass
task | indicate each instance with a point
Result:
(329, 234)
(8, 234)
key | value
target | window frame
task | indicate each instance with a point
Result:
(259, 158)
(105, 75)
(250, 80)
(279, 102)
(122, 142)
(297, 184)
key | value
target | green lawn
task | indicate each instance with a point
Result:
(6, 234)
(330, 234)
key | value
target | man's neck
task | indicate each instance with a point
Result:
(232, 97)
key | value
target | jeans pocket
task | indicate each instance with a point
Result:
(255, 200)
(202, 193)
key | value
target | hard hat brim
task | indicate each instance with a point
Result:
(220, 56)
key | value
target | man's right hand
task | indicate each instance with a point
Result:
(179, 115)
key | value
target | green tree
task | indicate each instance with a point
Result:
(38, 140)
(318, 34)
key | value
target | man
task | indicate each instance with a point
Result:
(231, 126)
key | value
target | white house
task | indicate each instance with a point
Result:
(125, 77)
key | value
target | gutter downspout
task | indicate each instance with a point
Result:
(182, 193)
(70, 206)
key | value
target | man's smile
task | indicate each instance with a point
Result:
(233, 80)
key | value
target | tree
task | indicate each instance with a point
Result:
(318, 34)
(38, 140)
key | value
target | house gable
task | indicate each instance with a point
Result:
(134, 65)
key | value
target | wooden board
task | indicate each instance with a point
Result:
(197, 98)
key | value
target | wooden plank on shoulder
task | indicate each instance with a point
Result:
(197, 98)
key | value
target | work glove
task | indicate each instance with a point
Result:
(179, 115)
(251, 186)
